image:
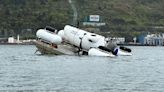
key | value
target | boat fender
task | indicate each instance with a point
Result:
(125, 49)
(114, 52)
(105, 48)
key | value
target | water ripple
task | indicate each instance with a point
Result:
(23, 71)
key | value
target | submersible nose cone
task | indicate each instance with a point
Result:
(115, 51)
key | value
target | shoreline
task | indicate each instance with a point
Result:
(31, 43)
(129, 44)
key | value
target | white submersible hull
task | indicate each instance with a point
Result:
(74, 41)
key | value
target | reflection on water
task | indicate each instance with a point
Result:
(22, 70)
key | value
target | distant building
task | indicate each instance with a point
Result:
(152, 39)
(141, 39)
(117, 40)
(93, 20)
(11, 40)
(3, 40)
(93, 24)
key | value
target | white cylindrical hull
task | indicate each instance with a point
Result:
(123, 53)
(83, 39)
(98, 52)
(61, 34)
(48, 36)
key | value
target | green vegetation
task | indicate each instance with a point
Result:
(126, 17)
(26, 16)
(122, 17)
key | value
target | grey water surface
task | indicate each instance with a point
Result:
(23, 71)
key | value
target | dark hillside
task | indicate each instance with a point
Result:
(122, 17)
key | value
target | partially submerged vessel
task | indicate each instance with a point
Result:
(75, 41)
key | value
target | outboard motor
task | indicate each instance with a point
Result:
(113, 48)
